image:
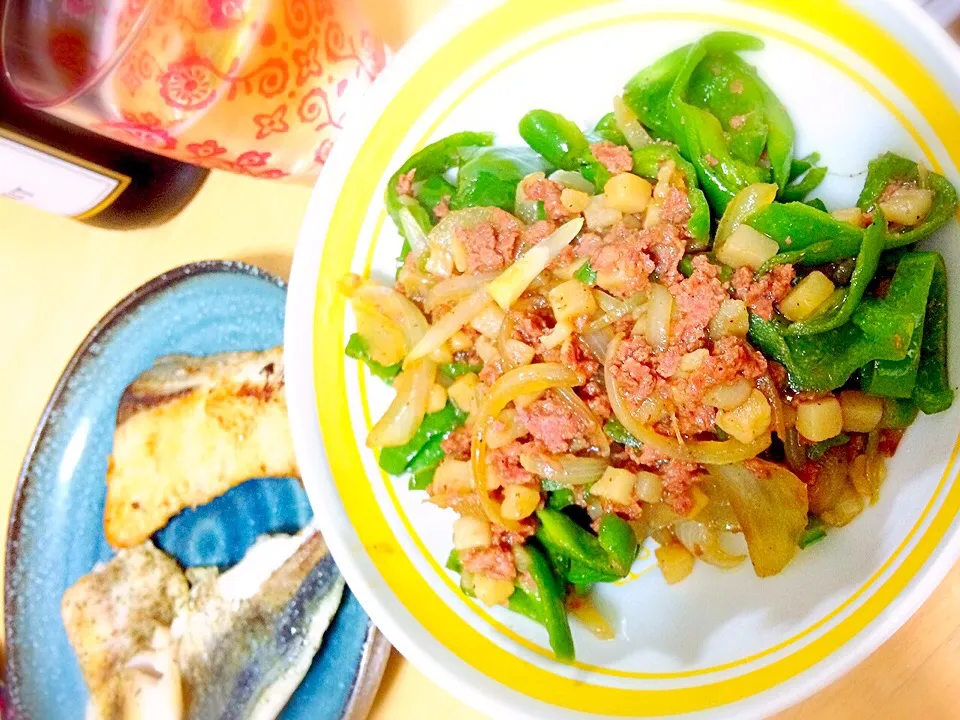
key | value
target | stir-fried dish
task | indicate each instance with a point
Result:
(648, 331)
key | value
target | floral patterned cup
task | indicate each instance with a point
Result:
(257, 87)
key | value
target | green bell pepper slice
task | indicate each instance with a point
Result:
(819, 449)
(814, 532)
(876, 331)
(396, 460)
(453, 370)
(868, 260)
(586, 274)
(525, 603)
(618, 539)
(607, 129)
(435, 159)
(805, 234)
(562, 534)
(647, 162)
(432, 191)
(424, 464)
(550, 601)
(898, 413)
(618, 433)
(890, 168)
(699, 134)
(489, 177)
(563, 145)
(646, 92)
(910, 290)
(740, 112)
(358, 349)
(933, 393)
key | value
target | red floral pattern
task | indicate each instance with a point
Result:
(206, 149)
(308, 63)
(271, 123)
(261, 110)
(226, 13)
(144, 132)
(188, 85)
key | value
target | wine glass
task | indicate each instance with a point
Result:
(257, 87)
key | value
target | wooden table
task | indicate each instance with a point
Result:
(58, 277)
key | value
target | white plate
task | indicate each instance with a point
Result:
(858, 79)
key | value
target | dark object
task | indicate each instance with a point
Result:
(150, 189)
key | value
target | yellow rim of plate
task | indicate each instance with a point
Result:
(831, 17)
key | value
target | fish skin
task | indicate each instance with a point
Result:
(111, 613)
(189, 429)
(244, 658)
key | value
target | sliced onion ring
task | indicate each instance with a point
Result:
(402, 419)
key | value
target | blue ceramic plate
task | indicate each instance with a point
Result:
(56, 531)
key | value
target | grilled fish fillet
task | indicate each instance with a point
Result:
(247, 637)
(112, 613)
(232, 646)
(188, 430)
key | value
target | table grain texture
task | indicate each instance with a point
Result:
(58, 277)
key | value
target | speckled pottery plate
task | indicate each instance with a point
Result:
(56, 527)
(858, 77)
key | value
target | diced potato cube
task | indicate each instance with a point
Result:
(492, 591)
(908, 205)
(649, 487)
(442, 354)
(518, 352)
(747, 247)
(693, 361)
(556, 337)
(699, 501)
(471, 532)
(571, 299)
(861, 412)
(486, 349)
(574, 201)
(519, 502)
(732, 319)
(437, 399)
(729, 396)
(809, 294)
(748, 421)
(853, 215)
(819, 420)
(598, 216)
(488, 321)
(628, 193)
(464, 391)
(453, 476)
(675, 562)
(615, 485)
(439, 262)
(460, 341)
